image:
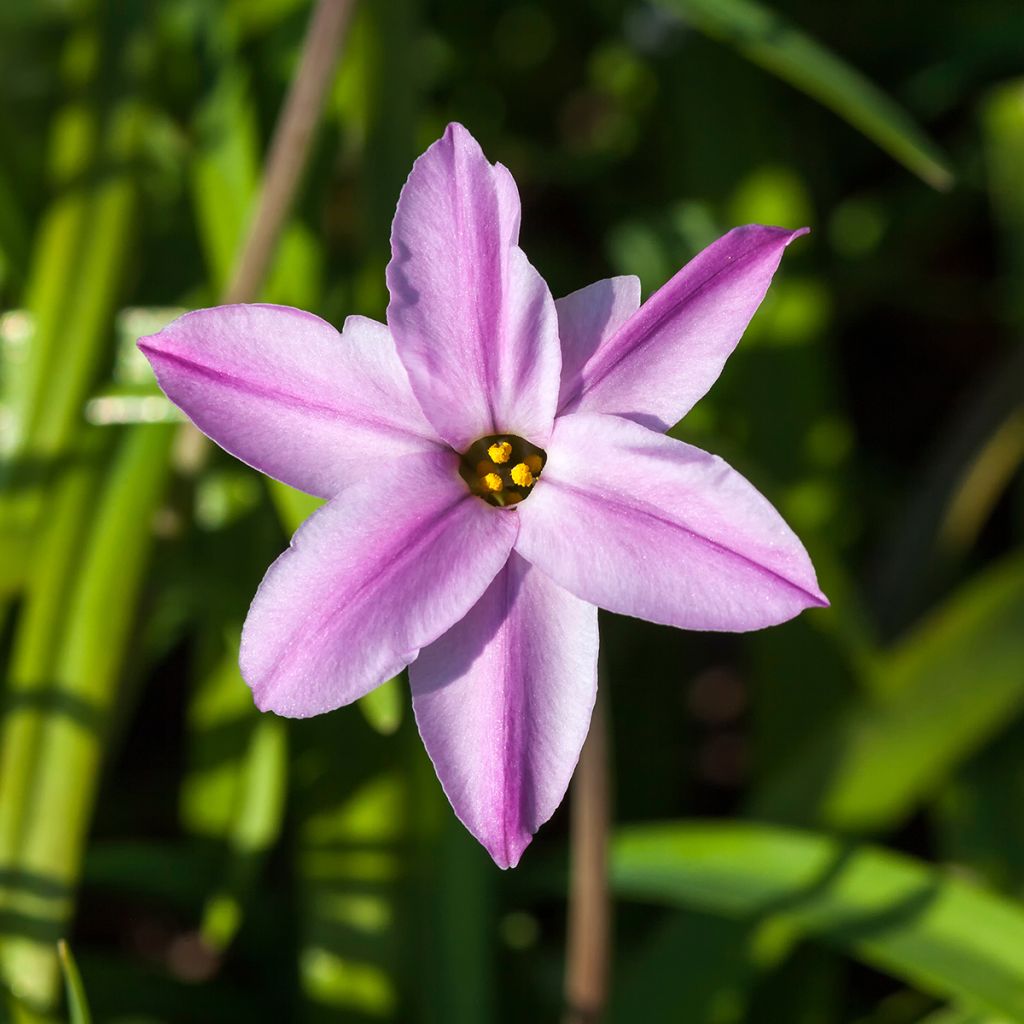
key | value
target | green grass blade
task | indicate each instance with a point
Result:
(78, 1006)
(768, 40)
(903, 916)
(86, 675)
(98, 274)
(30, 670)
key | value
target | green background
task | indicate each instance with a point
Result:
(818, 823)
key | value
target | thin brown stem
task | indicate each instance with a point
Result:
(289, 149)
(588, 946)
(286, 160)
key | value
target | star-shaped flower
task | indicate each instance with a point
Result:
(497, 469)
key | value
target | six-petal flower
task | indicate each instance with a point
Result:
(497, 469)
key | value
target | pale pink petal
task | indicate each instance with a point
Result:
(503, 703)
(383, 569)
(587, 319)
(474, 323)
(666, 356)
(644, 525)
(285, 392)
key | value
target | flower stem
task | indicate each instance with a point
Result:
(290, 146)
(588, 944)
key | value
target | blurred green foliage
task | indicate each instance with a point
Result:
(212, 864)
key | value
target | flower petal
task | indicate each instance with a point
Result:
(645, 525)
(474, 323)
(587, 319)
(503, 703)
(283, 391)
(382, 570)
(667, 355)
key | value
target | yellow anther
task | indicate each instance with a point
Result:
(534, 462)
(500, 452)
(521, 475)
(491, 482)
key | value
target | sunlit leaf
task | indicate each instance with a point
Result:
(906, 917)
(945, 689)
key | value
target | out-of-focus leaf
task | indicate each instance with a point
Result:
(13, 229)
(293, 507)
(770, 41)
(695, 967)
(97, 277)
(86, 673)
(29, 699)
(903, 916)
(255, 827)
(234, 791)
(225, 177)
(383, 707)
(134, 396)
(78, 1006)
(1003, 121)
(957, 1015)
(976, 817)
(452, 898)
(974, 461)
(352, 825)
(949, 686)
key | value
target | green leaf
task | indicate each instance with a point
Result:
(768, 40)
(91, 650)
(78, 1007)
(695, 967)
(901, 915)
(957, 1015)
(945, 690)
(383, 706)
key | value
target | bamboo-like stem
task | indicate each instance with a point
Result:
(290, 146)
(588, 945)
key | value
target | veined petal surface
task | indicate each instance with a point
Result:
(587, 320)
(667, 355)
(283, 391)
(644, 525)
(503, 703)
(379, 572)
(473, 322)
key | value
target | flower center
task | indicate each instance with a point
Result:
(502, 468)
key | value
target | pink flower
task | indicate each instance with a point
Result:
(497, 469)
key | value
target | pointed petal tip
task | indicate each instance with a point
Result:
(455, 129)
(507, 851)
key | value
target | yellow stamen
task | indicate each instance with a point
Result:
(534, 462)
(491, 482)
(500, 452)
(521, 475)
